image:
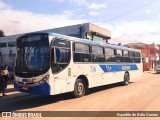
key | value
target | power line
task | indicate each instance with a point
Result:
(148, 4)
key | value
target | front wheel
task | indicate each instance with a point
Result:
(126, 79)
(79, 88)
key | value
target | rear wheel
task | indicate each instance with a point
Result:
(79, 88)
(126, 79)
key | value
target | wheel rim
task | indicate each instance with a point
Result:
(126, 82)
(79, 88)
(127, 79)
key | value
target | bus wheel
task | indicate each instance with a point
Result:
(126, 79)
(79, 88)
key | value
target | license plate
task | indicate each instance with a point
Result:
(24, 88)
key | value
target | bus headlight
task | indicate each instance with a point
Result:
(30, 80)
(44, 79)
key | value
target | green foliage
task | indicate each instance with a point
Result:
(2, 33)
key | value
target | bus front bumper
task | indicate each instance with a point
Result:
(44, 88)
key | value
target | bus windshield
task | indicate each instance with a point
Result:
(32, 55)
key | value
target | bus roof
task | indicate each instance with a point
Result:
(87, 41)
(80, 40)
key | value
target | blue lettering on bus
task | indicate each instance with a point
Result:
(120, 67)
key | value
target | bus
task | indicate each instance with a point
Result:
(50, 64)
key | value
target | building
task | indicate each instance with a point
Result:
(150, 54)
(86, 30)
(159, 53)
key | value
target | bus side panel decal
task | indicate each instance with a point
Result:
(116, 68)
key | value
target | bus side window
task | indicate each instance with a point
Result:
(82, 53)
(97, 54)
(119, 57)
(60, 50)
(137, 58)
(110, 55)
(131, 56)
(126, 56)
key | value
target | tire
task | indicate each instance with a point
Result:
(126, 79)
(79, 88)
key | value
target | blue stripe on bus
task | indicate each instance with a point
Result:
(119, 67)
(40, 89)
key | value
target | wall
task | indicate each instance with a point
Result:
(151, 52)
(8, 56)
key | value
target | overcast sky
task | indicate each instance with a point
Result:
(128, 21)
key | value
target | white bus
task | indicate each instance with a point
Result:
(49, 63)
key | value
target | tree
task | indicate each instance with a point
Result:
(2, 33)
